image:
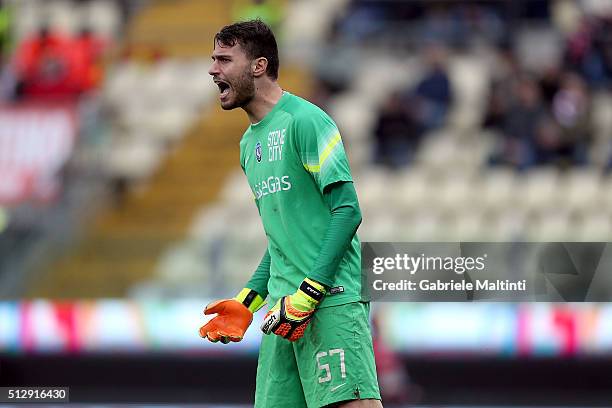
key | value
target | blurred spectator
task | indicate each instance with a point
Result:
(397, 134)
(433, 93)
(506, 73)
(50, 64)
(589, 50)
(571, 109)
(550, 83)
(521, 124)
(47, 65)
(407, 114)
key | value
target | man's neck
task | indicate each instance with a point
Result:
(266, 96)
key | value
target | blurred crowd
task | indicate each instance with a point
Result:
(546, 116)
(541, 115)
(543, 118)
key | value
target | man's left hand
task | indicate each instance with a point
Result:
(292, 314)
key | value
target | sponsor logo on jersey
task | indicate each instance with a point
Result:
(337, 289)
(276, 140)
(270, 322)
(258, 152)
(271, 185)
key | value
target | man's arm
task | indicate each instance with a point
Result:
(290, 316)
(341, 199)
(256, 289)
(259, 280)
(321, 152)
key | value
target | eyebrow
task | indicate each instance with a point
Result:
(220, 56)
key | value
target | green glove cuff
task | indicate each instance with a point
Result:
(251, 299)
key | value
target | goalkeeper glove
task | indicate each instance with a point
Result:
(291, 314)
(233, 317)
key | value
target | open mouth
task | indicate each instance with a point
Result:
(224, 88)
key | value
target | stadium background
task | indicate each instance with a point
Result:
(123, 210)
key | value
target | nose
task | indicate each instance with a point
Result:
(214, 69)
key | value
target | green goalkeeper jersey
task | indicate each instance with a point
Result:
(289, 157)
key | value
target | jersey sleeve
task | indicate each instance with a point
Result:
(320, 149)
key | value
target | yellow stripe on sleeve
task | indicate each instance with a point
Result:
(329, 148)
(312, 168)
(315, 168)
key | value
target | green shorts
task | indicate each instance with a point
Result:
(333, 362)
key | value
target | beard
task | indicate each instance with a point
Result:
(243, 89)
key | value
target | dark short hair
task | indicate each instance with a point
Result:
(256, 39)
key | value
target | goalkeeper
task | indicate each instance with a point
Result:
(318, 348)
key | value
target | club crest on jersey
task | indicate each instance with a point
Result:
(258, 152)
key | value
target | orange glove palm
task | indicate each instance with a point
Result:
(232, 320)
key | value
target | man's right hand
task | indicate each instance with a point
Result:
(232, 320)
(233, 316)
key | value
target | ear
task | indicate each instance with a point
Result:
(259, 66)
